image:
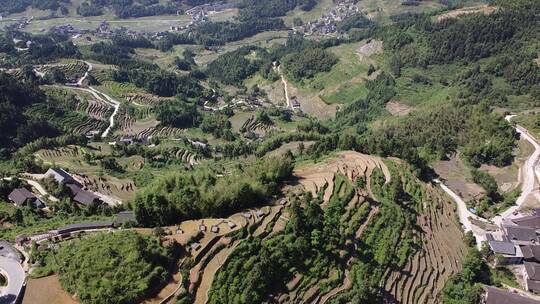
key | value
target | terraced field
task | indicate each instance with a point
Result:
(145, 99)
(73, 69)
(342, 182)
(256, 125)
(442, 252)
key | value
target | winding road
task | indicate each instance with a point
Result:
(530, 176)
(97, 94)
(15, 275)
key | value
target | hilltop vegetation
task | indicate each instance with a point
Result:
(203, 193)
(119, 267)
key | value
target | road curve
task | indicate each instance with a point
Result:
(90, 66)
(112, 102)
(106, 99)
(529, 173)
(15, 280)
(464, 214)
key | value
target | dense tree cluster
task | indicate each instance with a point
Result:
(235, 66)
(308, 62)
(358, 20)
(202, 194)
(18, 129)
(179, 114)
(121, 267)
(483, 137)
(218, 33)
(17, 6)
(465, 288)
(127, 8)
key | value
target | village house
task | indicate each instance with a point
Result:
(82, 196)
(521, 235)
(21, 197)
(61, 176)
(531, 253)
(510, 252)
(517, 242)
(531, 277)
(498, 296)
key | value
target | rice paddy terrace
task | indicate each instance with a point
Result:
(380, 215)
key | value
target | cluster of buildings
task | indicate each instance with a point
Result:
(22, 196)
(327, 25)
(199, 14)
(65, 29)
(518, 242)
(20, 24)
(79, 195)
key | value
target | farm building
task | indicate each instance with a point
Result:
(82, 196)
(510, 252)
(531, 276)
(22, 196)
(498, 296)
(61, 176)
(295, 103)
(532, 221)
(531, 253)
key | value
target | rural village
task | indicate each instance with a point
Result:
(306, 151)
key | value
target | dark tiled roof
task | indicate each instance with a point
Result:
(499, 296)
(85, 197)
(38, 203)
(532, 221)
(501, 247)
(531, 252)
(521, 233)
(85, 226)
(82, 196)
(20, 195)
(60, 175)
(533, 285)
(533, 270)
(125, 216)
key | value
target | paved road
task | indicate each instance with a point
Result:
(113, 103)
(529, 173)
(15, 277)
(465, 215)
(105, 99)
(41, 190)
